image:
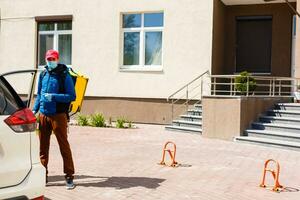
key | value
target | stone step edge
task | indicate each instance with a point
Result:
(268, 141)
(184, 128)
(273, 133)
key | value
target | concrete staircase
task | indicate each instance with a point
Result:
(279, 127)
(189, 122)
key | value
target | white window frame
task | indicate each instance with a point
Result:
(56, 33)
(142, 30)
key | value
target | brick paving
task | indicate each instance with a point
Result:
(122, 164)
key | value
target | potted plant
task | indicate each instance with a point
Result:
(243, 81)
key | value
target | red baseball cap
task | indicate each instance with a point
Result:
(52, 54)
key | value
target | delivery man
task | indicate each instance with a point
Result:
(55, 93)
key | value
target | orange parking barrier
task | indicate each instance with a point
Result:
(172, 153)
(275, 174)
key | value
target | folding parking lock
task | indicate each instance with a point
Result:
(172, 152)
(275, 174)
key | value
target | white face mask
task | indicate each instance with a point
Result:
(51, 65)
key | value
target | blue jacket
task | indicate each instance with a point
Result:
(49, 83)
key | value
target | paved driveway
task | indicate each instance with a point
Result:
(122, 164)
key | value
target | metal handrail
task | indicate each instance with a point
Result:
(258, 77)
(273, 86)
(266, 86)
(186, 85)
(186, 96)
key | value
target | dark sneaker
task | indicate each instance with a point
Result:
(69, 183)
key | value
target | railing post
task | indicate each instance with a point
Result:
(274, 83)
(214, 85)
(201, 88)
(187, 98)
(247, 94)
(231, 81)
(172, 109)
(234, 88)
(279, 90)
(270, 89)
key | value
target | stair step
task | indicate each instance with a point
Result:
(197, 112)
(269, 142)
(277, 127)
(285, 136)
(191, 117)
(186, 129)
(185, 122)
(284, 113)
(289, 104)
(198, 105)
(284, 120)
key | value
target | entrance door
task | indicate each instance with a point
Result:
(254, 44)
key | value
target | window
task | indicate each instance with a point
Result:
(58, 36)
(142, 41)
(9, 100)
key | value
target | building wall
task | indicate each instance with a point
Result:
(281, 35)
(297, 53)
(156, 111)
(219, 32)
(236, 114)
(96, 42)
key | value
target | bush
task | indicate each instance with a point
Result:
(97, 120)
(82, 120)
(129, 124)
(241, 83)
(120, 123)
(123, 123)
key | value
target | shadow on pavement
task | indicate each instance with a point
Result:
(289, 189)
(114, 182)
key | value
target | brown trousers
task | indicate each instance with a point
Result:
(58, 124)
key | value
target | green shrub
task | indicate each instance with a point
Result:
(129, 124)
(82, 120)
(97, 120)
(241, 83)
(123, 123)
(120, 123)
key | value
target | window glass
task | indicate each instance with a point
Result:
(65, 48)
(58, 37)
(45, 43)
(153, 48)
(131, 48)
(46, 26)
(153, 19)
(64, 26)
(142, 46)
(132, 20)
(8, 103)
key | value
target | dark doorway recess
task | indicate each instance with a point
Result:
(254, 44)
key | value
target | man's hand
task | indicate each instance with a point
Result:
(48, 97)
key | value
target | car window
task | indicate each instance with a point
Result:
(10, 102)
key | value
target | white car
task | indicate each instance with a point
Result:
(22, 176)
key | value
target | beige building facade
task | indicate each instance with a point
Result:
(172, 43)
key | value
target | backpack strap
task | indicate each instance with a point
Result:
(61, 80)
(43, 73)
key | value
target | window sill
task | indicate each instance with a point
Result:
(141, 69)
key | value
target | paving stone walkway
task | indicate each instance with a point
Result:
(117, 164)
